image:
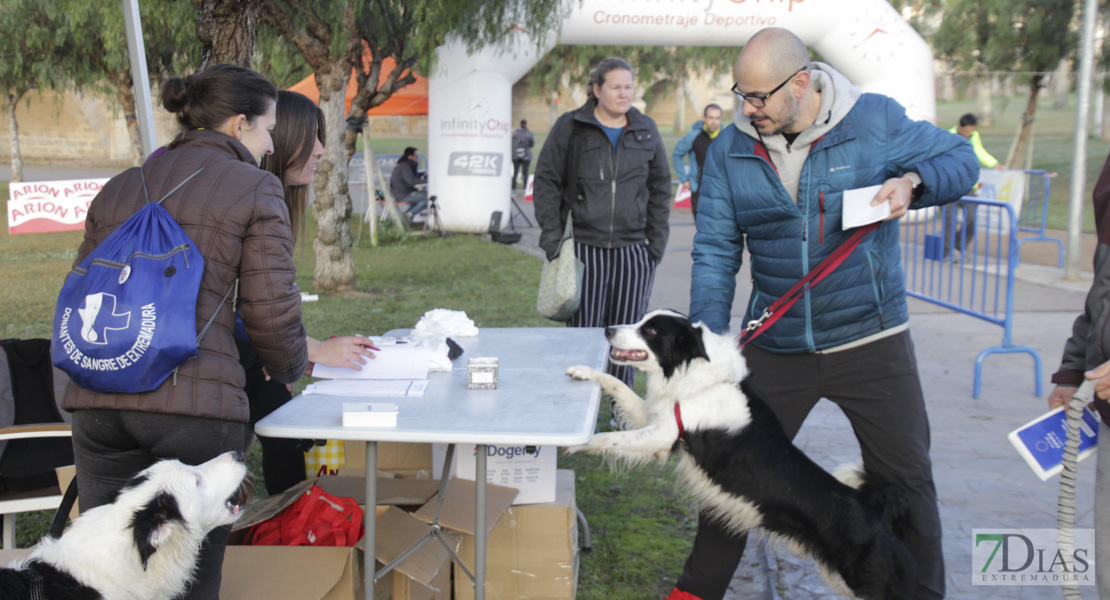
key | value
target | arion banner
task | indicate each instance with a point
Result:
(47, 206)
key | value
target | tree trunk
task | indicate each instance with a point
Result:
(983, 106)
(1104, 131)
(680, 106)
(1099, 100)
(1017, 150)
(17, 155)
(1061, 85)
(553, 109)
(948, 87)
(350, 136)
(692, 99)
(126, 96)
(226, 30)
(335, 271)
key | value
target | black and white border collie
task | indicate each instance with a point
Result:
(737, 461)
(142, 546)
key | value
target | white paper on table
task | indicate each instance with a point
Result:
(856, 209)
(374, 388)
(401, 361)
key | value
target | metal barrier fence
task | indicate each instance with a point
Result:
(963, 256)
(1034, 210)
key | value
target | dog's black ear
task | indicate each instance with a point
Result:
(151, 523)
(690, 345)
(682, 344)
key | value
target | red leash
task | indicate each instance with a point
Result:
(681, 427)
(782, 305)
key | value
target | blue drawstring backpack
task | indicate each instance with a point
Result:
(126, 316)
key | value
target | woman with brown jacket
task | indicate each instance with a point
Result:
(235, 214)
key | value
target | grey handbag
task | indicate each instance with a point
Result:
(561, 283)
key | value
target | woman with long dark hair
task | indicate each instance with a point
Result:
(298, 146)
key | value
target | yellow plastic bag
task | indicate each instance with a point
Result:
(324, 459)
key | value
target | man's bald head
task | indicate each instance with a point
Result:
(773, 53)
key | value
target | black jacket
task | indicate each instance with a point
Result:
(623, 196)
(404, 178)
(1089, 345)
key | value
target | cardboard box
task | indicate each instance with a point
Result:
(292, 572)
(404, 459)
(529, 469)
(457, 512)
(336, 573)
(531, 553)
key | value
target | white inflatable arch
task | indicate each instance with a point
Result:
(470, 99)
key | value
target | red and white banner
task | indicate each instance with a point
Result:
(528, 189)
(682, 197)
(47, 206)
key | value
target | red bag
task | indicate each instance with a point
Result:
(317, 518)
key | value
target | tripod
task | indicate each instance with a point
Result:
(432, 224)
(516, 210)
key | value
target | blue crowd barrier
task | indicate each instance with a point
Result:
(1034, 210)
(968, 272)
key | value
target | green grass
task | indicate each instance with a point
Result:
(641, 528)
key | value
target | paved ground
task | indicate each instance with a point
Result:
(981, 480)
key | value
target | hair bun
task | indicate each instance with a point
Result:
(175, 93)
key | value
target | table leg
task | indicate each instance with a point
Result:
(480, 522)
(370, 516)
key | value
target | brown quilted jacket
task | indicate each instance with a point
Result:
(235, 214)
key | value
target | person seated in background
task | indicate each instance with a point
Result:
(967, 128)
(403, 182)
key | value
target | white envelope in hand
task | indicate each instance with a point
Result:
(856, 209)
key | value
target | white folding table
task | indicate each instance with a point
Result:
(535, 403)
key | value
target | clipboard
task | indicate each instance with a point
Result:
(1041, 441)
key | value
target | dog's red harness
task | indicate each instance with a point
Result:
(681, 427)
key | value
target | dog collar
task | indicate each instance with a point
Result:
(678, 419)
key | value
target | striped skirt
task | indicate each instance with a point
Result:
(615, 289)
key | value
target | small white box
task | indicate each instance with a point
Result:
(529, 469)
(481, 373)
(369, 414)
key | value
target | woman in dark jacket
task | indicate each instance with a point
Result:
(619, 199)
(235, 214)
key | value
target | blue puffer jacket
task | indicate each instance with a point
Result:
(685, 149)
(743, 200)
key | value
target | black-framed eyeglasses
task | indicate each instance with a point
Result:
(761, 101)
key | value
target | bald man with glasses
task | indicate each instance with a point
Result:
(773, 182)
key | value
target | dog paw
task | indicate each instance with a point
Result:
(575, 449)
(583, 373)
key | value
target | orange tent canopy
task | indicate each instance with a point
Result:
(409, 100)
